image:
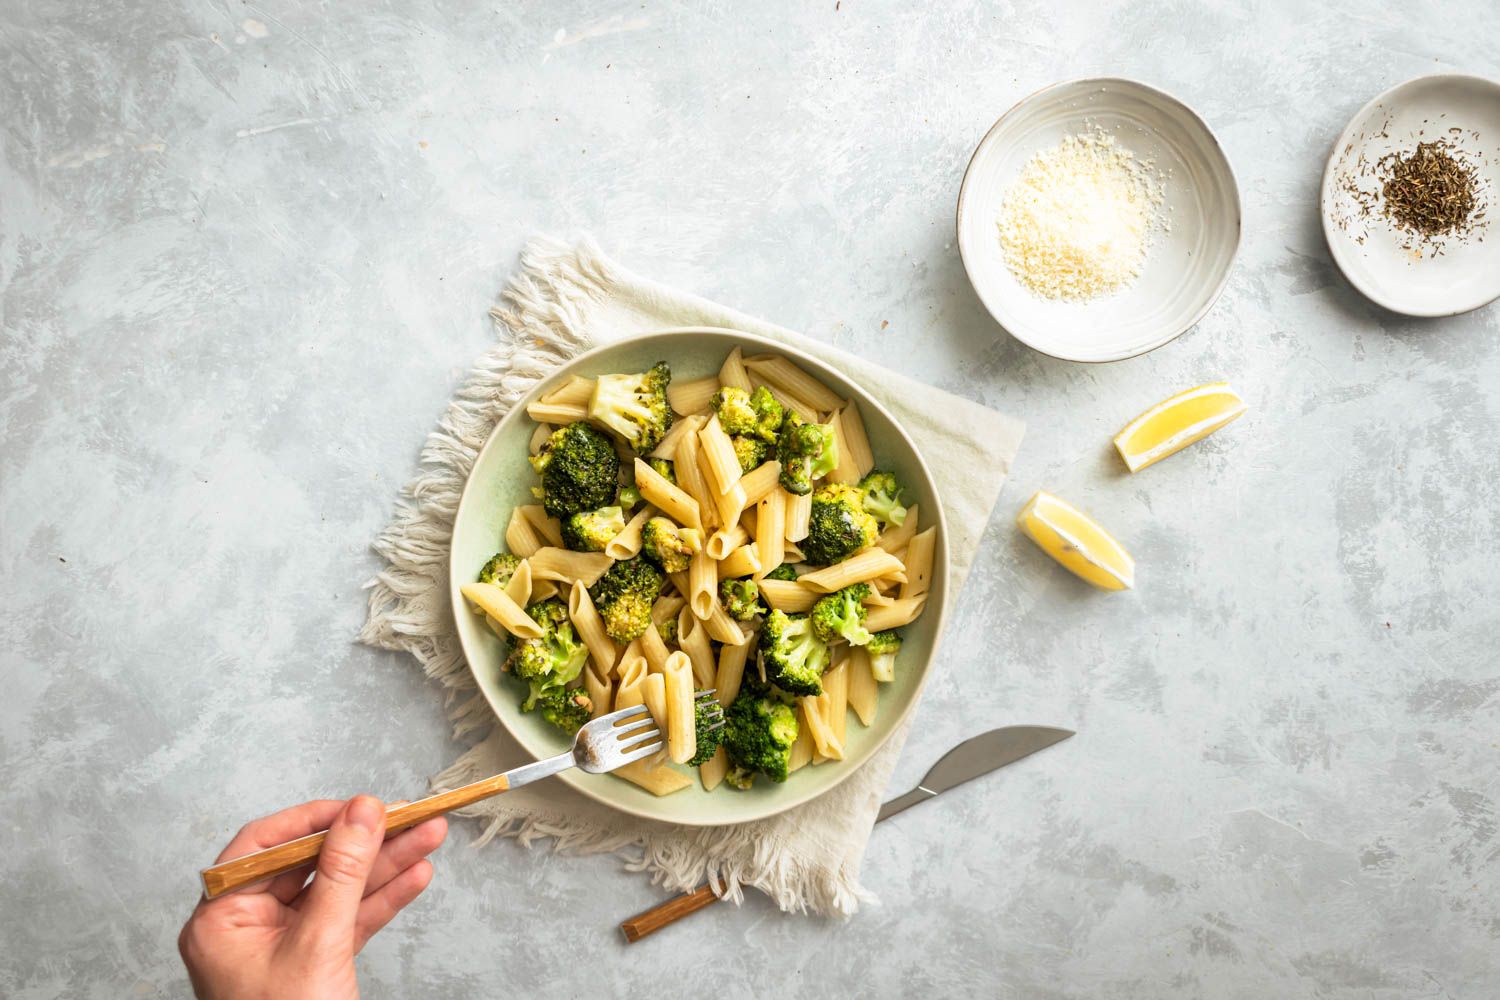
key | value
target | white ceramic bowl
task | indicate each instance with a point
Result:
(1187, 267)
(1367, 248)
(502, 478)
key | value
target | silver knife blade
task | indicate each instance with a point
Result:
(975, 756)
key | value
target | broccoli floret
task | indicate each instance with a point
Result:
(501, 567)
(883, 498)
(565, 708)
(806, 452)
(624, 595)
(665, 544)
(579, 468)
(629, 497)
(758, 735)
(841, 615)
(883, 647)
(793, 656)
(706, 714)
(552, 660)
(838, 525)
(668, 631)
(634, 406)
(750, 451)
(741, 599)
(739, 777)
(756, 414)
(663, 467)
(591, 530)
(783, 572)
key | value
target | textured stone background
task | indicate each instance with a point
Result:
(245, 254)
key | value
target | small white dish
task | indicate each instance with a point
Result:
(1372, 253)
(1188, 264)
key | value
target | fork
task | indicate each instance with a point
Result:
(604, 744)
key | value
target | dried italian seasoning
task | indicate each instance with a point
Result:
(1429, 191)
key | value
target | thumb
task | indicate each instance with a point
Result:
(348, 854)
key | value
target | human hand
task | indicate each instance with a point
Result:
(285, 938)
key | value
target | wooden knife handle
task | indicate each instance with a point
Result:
(669, 912)
(230, 875)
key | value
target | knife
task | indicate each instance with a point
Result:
(973, 757)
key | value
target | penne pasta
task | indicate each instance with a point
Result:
(656, 780)
(815, 718)
(802, 749)
(694, 641)
(804, 409)
(722, 464)
(864, 690)
(794, 554)
(520, 537)
(918, 562)
(682, 741)
(703, 583)
(788, 595)
(627, 544)
(783, 374)
(902, 611)
(577, 391)
(667, 446)
(729, 505)
(722, 628)
(633, 672)
(688, 398)
(730, 671)
(726, 540)
(732, 371)
(519, 587)
(585, 618)
(509, 615)
(629, 658)
(654, 649)
(861, 567)
(896, 539)
(667, 608)
(690, 480)
(539, 436)
(836, 690)
(770, 530)
(760, 481)
(669, 499)
(854, 441)
(798, 516)
(541, 590)
(557, 413)
(566, 565)
(743, 561)
(549, 529)
(843, 472)
(712, 771)
(654, 691)
(600, 691)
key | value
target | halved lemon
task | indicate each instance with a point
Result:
(1074, 539)
(1172, 425)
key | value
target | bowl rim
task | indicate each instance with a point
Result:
(1234, 188)
(780, 803)
(1336, 248)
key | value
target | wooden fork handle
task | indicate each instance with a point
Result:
(230, 875)
(669, 912)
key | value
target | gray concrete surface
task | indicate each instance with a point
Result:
(245, 254)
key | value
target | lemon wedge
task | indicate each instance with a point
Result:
(1074, 539)
(1172, 425)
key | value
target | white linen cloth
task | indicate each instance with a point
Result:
(565, 300)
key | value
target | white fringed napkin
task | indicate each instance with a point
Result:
(565, 300)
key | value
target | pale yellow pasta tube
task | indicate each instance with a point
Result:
(667, 608)
(632, 678)
(743, 561)
(668, 498)
(864, 690)
(519, 587)
(585, 618)
(732, 371)
(729, 505)
(855, 442)
(654, 649)
(722, 463)
(567, 566)
(844, 471)
(703, 583)
(556, 413)
(541, 590)
(783, 374)
(539, 436)
(802, 749)
(801, 407)
(548, 528)
(600, 691)
(918, 562)
(815, 718)
(520, 537)
(627, 543)
(861, 567)
(902, 611)
(761, 480)
(682, 740)
(629, 657)
(493, 602)
(770, 530)
(731, 670)
(788, 595)
(722, 628)
(667, 446)
(726, 540)
(798, 516)
(577, 390)
(692, 481)
(712, 771)
(693, 640)
(654, 691)
(656, 780)
(836, 690)
(690, 397)
(896, 539)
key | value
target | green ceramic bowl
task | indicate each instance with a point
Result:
(501, 479)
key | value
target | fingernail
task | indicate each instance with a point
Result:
(366, 812)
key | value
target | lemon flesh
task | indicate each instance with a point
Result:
(1172, 425)
(1074, 539)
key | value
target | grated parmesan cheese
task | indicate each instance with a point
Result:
(1079, 220)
